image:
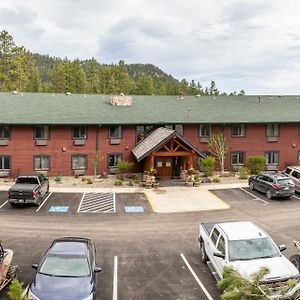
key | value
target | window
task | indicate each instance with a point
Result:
(214, 236)
(272, 158)
(142, 131)
(79, 132)
(205, 130)
(115, 132)
(41, 132)
(4, 162)
(272, 130)
(113, 159)
(178, 128)
(238, 130)
(4, 132)
(221, 244)
(41, 162)
(79, 162)
(238, 158)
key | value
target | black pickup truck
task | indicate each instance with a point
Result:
(30, 189)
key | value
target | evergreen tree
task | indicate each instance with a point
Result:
(145, 85)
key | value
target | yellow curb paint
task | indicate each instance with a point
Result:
(219, 199)
(149, 200)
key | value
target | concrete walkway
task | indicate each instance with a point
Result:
(165, 199)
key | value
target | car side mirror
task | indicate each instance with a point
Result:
(219, 254)
(97, 269)
(35, 266)
(282, 248)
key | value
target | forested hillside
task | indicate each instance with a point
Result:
(22, 70)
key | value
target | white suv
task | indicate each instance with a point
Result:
(294, 173)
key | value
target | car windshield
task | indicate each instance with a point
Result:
(285, 181)
(251, 249)
(65, 266)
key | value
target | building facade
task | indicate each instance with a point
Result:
(87, 134)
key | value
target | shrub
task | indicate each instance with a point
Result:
(216, 179)
(135, 179)
(256, 164)
(207, 165)
(58, 178)
(119, 182)
(15, 290)
(124, 166)
(89, 181)
(243, 173)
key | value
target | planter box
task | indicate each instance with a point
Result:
(197, 183)
(155, 185)
(4, 173)
(4, 142)
(79, 142)
(79, 172)
(189, 183)
(41, 142)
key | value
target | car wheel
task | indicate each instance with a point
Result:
(295, 260)
(47, 191)
(13, 204)
(269, 194)
(203, 254)
(251, 186)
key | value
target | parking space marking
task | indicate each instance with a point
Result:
(4, 203)
(196, 278)
(80, 202)
(115, 280)
(97, 203)
(44, 202)
(255, 197)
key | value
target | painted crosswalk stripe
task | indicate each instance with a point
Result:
(97, 203)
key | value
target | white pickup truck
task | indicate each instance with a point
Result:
(246, 248)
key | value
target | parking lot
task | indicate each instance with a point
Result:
(143, 255)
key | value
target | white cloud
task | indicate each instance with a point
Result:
(251, 45)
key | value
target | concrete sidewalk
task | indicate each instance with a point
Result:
(165, 199)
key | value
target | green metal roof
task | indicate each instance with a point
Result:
(40, 108)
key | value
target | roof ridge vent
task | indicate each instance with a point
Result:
(181, 95)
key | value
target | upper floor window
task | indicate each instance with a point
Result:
(79, 132)
(272, 157)
(79, 162)
(41, 132)
(115, 132)
(142, 131)
(178, 128)
(205, 130)
(273, 130)
(5, 162)
(4, 132)
(238, 158)
(41, 162)
(238, 130)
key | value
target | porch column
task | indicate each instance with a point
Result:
(151, 162)
(190, 161)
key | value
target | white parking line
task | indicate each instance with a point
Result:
(197, 278)
(114, 195)
(115, 281)
(255, 197)
(80, 202)
(44, 202)
(4, 203)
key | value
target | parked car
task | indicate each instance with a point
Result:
(30, 189)
(66, 272)
(272, 184)
(244, 246)
(294, 173)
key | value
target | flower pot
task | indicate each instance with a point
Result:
(197, 183)
(189, 183)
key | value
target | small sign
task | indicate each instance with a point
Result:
(59, 209)
(133, 209)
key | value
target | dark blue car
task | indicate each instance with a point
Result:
(66, 272)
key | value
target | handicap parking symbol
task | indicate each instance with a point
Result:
(60, 209)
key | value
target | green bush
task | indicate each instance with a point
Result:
(135, 179)
(244, 173)
(216, 179)
(15, 290)
(89, 181)
(256, 164)
(58, 178)
(119, 182)
(207, 165)
(124, 166)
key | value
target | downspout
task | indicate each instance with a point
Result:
(97, 151)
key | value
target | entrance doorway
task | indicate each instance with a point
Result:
(164, 166)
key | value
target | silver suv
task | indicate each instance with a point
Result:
(294, 173)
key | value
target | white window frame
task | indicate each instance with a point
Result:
(44, 130)
(44, 162)
(81, 163)
(205, 130)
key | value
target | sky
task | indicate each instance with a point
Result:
(252, 45)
